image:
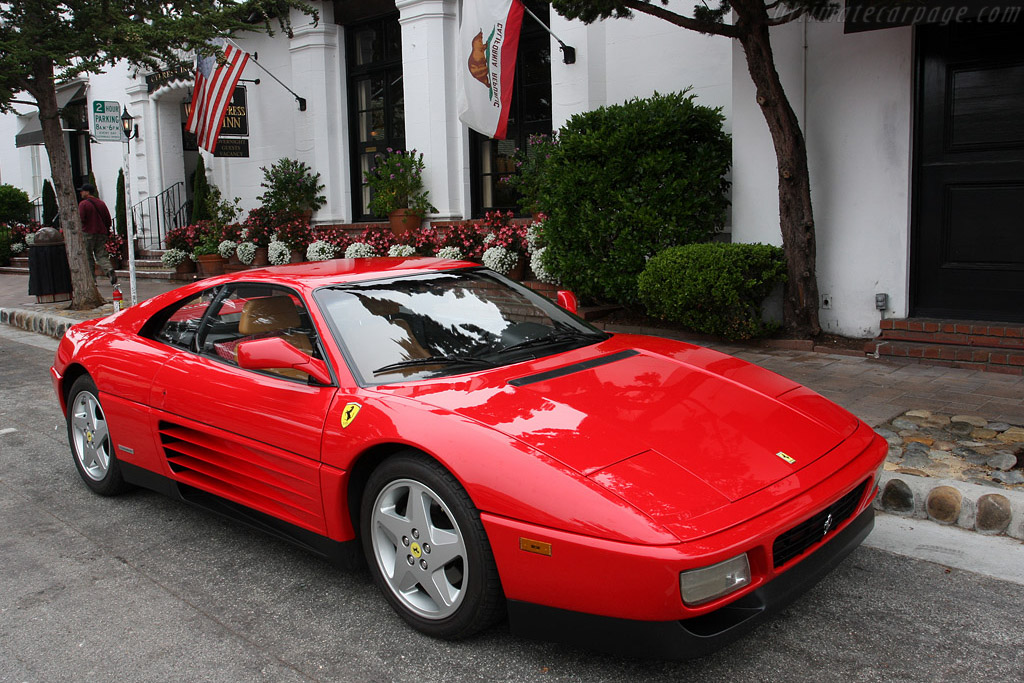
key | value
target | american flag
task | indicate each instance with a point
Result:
(214, 88)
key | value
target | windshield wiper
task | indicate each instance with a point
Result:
(564, 334)
(433, 360)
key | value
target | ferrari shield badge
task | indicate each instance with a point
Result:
(779, 454)
(349, 414)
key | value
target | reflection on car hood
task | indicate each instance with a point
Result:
(718, 419)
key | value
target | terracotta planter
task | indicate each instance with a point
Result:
(230, 267)
(519, 270)
(403, 221)
(211, 264)
(262, 258)
(185, 267)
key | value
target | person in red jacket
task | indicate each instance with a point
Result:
(95, 229)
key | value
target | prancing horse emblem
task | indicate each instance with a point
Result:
(349, 414)
(828, 525)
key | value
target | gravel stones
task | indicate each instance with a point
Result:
(960, 447)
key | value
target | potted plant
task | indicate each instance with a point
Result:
(206, 252)
(291, 186)
(527, 178)
(505, 244)
(116, 247)
(181, 240)
(396, 189)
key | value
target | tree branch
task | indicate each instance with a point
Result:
(786, 18)
(711, 28)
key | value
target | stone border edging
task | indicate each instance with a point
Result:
(986, 509)
(36, 321)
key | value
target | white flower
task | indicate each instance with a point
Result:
(17, 247)
(172, 258)
(30, 239)
(401, 250)
(539, 269)
(278, 253)
(500, 260)
(535, 236)
(321, 251)
(226, 248)
(489, 237)
(246, 252)
(245, 234)
(359, 250)
(451, 253)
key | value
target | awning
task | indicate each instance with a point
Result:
(31, 131)
(870, 15)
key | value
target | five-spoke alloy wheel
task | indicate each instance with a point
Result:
(90, 440)
(427, 548)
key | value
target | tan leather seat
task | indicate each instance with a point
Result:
(262, 318)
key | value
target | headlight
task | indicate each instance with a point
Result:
(703, 585)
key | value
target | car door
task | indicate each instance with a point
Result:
(252, 437)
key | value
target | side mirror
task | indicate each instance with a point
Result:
(568, 301)
(274, 352)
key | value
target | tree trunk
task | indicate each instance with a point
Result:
(84, 293)
(800, 304)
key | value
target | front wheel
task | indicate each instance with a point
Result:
(427, 548)
(90, 440)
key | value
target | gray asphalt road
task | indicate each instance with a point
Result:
(143, 588)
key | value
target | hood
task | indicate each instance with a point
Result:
(715, 418)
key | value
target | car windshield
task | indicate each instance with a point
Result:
(446, 323)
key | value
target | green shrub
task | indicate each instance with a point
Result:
(713, 288)
(627, 181)
(200, 192)
(15, 206)
(121, 207)
(5, 245)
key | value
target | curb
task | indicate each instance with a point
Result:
(47, 323)
(987, 510)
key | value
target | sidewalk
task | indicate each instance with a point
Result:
(947, 458)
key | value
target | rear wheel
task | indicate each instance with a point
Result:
(90, 440)
(427, 548)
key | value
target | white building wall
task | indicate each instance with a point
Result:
(853, 94)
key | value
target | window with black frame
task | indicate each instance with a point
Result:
(530, 114)
(376, 98)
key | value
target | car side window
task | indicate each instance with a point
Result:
(179, 325)
(247, 312)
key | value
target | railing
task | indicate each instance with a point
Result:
(37, 209)
(155, 216)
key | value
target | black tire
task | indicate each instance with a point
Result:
(446, 528)
(91, 446)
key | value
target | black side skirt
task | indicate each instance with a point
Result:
(689, 638)
(341, 553)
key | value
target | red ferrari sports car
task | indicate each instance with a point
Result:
(485, 450)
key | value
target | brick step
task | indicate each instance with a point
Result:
(954, 333)
(1003, 360)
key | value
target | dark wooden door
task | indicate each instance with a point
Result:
(967, 258)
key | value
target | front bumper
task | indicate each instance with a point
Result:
(689, 638)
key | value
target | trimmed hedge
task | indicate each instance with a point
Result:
(713, 288)
(15, 206)
(624, 182)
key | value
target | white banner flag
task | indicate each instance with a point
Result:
(488, 42)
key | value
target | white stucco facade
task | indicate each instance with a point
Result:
(852, 92)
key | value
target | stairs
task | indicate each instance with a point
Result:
(988, 346)
(147, 266)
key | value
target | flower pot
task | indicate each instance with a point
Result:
(297, 256)
(403, 221)
(262, 258)
(185, 267)
(519, 269)
(211, 264)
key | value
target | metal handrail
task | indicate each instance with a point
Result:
(155, 216)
